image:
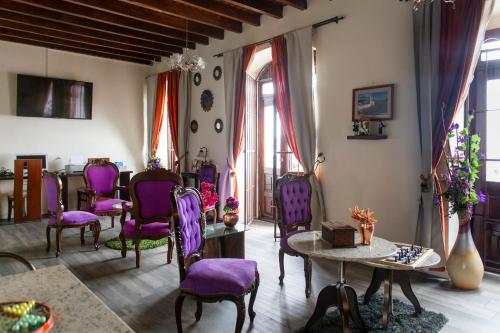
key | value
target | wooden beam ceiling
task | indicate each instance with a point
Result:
(138, 31)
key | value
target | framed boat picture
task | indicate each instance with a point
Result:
(373, 103)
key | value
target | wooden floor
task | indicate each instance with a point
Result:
(145, 297)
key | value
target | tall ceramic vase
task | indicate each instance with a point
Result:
(464, 264)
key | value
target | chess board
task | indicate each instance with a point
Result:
(408, 256)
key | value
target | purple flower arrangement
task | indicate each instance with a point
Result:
(231, 205)
(463, 166)
(154, 163)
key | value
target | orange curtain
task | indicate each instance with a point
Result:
(279, 73)
(239, 112)
(173, 107)
(159, 111)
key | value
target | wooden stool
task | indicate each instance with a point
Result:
(10, 201)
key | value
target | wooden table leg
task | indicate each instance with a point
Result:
(405, 284)
(388, 278)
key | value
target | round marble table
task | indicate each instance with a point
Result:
(341, 294)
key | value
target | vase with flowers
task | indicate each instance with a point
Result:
(230, 217)
(464, 265)
(208, 195)
(154, 163)
(366, 223)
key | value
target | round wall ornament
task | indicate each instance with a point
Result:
(194, 126)
(217, 73)
(218, 125)
(206, 100)
(197, 79)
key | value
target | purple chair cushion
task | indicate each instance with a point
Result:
(50, 185)
(154, 198)
(75, 217)
(284, 242)
(295, 197)
(219, 276)
(106, 204)
(101, 179)
(188, 207)
(208, 174)
(153, 230)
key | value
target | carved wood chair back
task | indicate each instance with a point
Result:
(101, 176)
(53, 194)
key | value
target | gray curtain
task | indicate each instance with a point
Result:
(184, 118)
(151, 82)
(300, 82)
(233, 63)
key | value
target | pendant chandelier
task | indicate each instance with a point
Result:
(186, 62)
(418, 3)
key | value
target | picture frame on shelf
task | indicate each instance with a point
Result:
(373, 103)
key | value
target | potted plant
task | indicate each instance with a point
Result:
(464, 264)
(208, 195)
(154, 163)
(366, 223)
(230, 217)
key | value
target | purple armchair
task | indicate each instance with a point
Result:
(208, 173)
(293, 198)
(207, 280)
(101, 178)
(152, 210)
(59, 219)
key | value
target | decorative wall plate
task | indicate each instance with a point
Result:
(194, 126)
(218, 125)
(217, 73)
(197, 79)
(207, 100)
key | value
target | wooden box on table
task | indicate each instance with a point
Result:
(338, 234)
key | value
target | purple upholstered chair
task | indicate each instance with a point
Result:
(152, 210)
(59, 219)
(208, 173)
(293, 198)
(101, 178)
(207, 280)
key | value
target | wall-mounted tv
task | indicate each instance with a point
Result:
(46, 97)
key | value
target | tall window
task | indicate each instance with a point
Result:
(165, 150)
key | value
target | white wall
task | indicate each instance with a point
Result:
(116, 128)
(372, 46)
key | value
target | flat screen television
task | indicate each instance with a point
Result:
(46, 97)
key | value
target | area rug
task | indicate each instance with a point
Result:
(146, 244)
(403, 319)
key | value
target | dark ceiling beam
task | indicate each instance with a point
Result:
(73, 50)
(83, 39)
(185, 11)
(127, 27)
(224, 10)
(113, 8)
(260, 6)
(76, 45)
(299, 4)
(68, 28)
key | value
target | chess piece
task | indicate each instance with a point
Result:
(355, 127)
(364, 128)
(381, 126)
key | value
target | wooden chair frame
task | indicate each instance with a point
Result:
(151, 175)
(95, 225)
(286, 229)
(197, 255)
(17, 257)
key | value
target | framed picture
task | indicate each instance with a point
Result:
(373, 103)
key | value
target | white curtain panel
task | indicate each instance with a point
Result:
(184, 118)
(151, 82)
(233, 63)
(300, 83)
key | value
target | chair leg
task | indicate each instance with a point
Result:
(282, 266)
(308, 275)
(82, 235)
(47, 231)
(112, 221)
(97, 231)
(253, 295)
(240, 319)
(58, 241)
(178, 312)
(137, 242)
(170, 245)
(9, 211)
(199, 310)
(124, 244)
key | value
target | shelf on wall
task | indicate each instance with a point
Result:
(366, 137)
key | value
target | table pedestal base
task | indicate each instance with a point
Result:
(387, 276)
(345, 299)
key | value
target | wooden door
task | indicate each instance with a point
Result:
(251, 151)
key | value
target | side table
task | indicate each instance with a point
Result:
(388, 274)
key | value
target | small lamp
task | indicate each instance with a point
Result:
(203, 153)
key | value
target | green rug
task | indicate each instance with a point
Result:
(403, 319)
(146, 244)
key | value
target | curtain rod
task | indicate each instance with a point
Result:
(335, 19)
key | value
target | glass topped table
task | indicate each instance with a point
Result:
(341, 294)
